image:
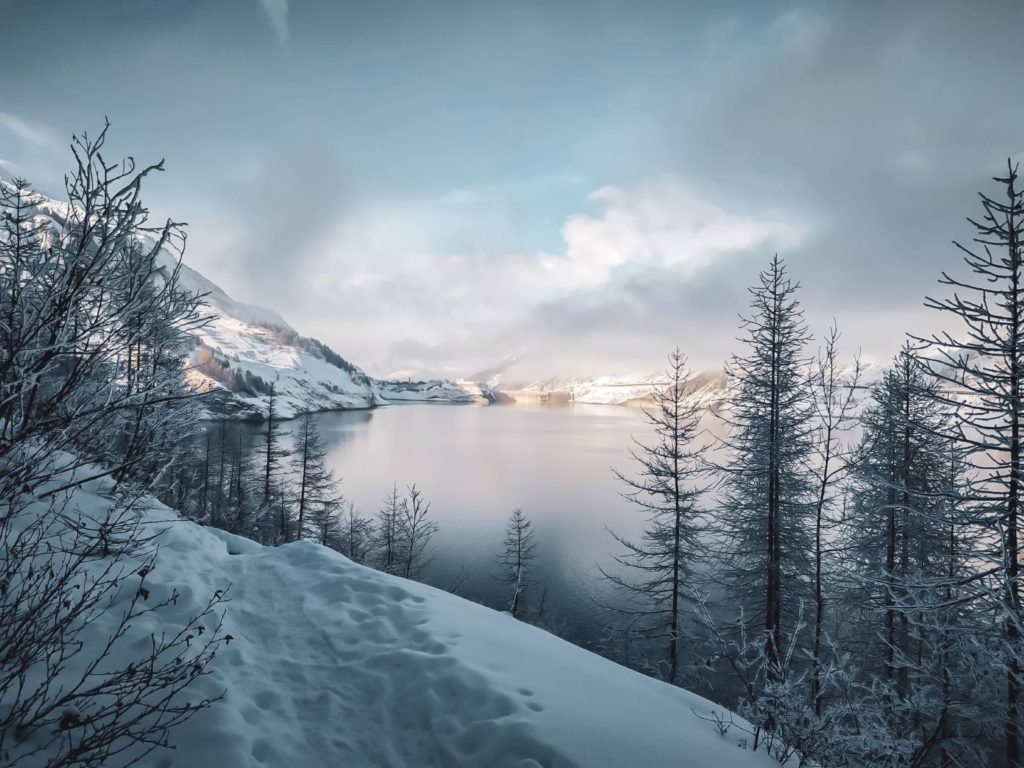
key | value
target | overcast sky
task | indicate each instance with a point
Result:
(439, 185)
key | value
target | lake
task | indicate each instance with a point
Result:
(475, 464)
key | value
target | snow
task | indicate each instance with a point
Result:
(302, 380)
(337, 664)
(440, 390)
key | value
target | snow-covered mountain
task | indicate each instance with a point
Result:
(335, 664)
(708, 387)
(245, 348)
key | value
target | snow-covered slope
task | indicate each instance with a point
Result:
(333, 664)
(438, 390)
(241, 358)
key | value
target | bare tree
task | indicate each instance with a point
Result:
(415, 530)
(834, 404)
(94, 332)
(356, 537)
(387, 539)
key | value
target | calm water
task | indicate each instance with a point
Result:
(476, 463)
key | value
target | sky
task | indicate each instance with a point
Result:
(435, 187)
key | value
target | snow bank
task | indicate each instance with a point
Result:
(334, 664)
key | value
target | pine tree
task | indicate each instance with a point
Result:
(516, 558)
(667, 489)
(273, 484)
(766, 511)
(981, 373)
(387, 539)
(318, 498)
(243, 492)
(273, 451)
(909, 549)
(357, 535)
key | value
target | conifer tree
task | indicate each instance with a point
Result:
(318, 499)
(667, 489)
(980, 368)
(766, 512)
(387, 538)
(909, 548)
(273, 449)
(516, 558)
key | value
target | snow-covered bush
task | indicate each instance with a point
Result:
(93, 331)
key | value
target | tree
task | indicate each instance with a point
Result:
(318, 499)
(273, 451)
(980, 371)
(356, 538)
(387, 538)
(767, 499)
(94, 333)
(516, 557)
(243, 485)
(668, 490)
(415, 530)
(908, 553)
(833, 405)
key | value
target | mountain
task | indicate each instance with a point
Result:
(334, 664)
(245, 348)
(709, 387)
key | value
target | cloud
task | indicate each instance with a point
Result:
(34, 135)
(667, 224)
(277, 15)
(270, 223)
(826, 113)
(399, 290)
